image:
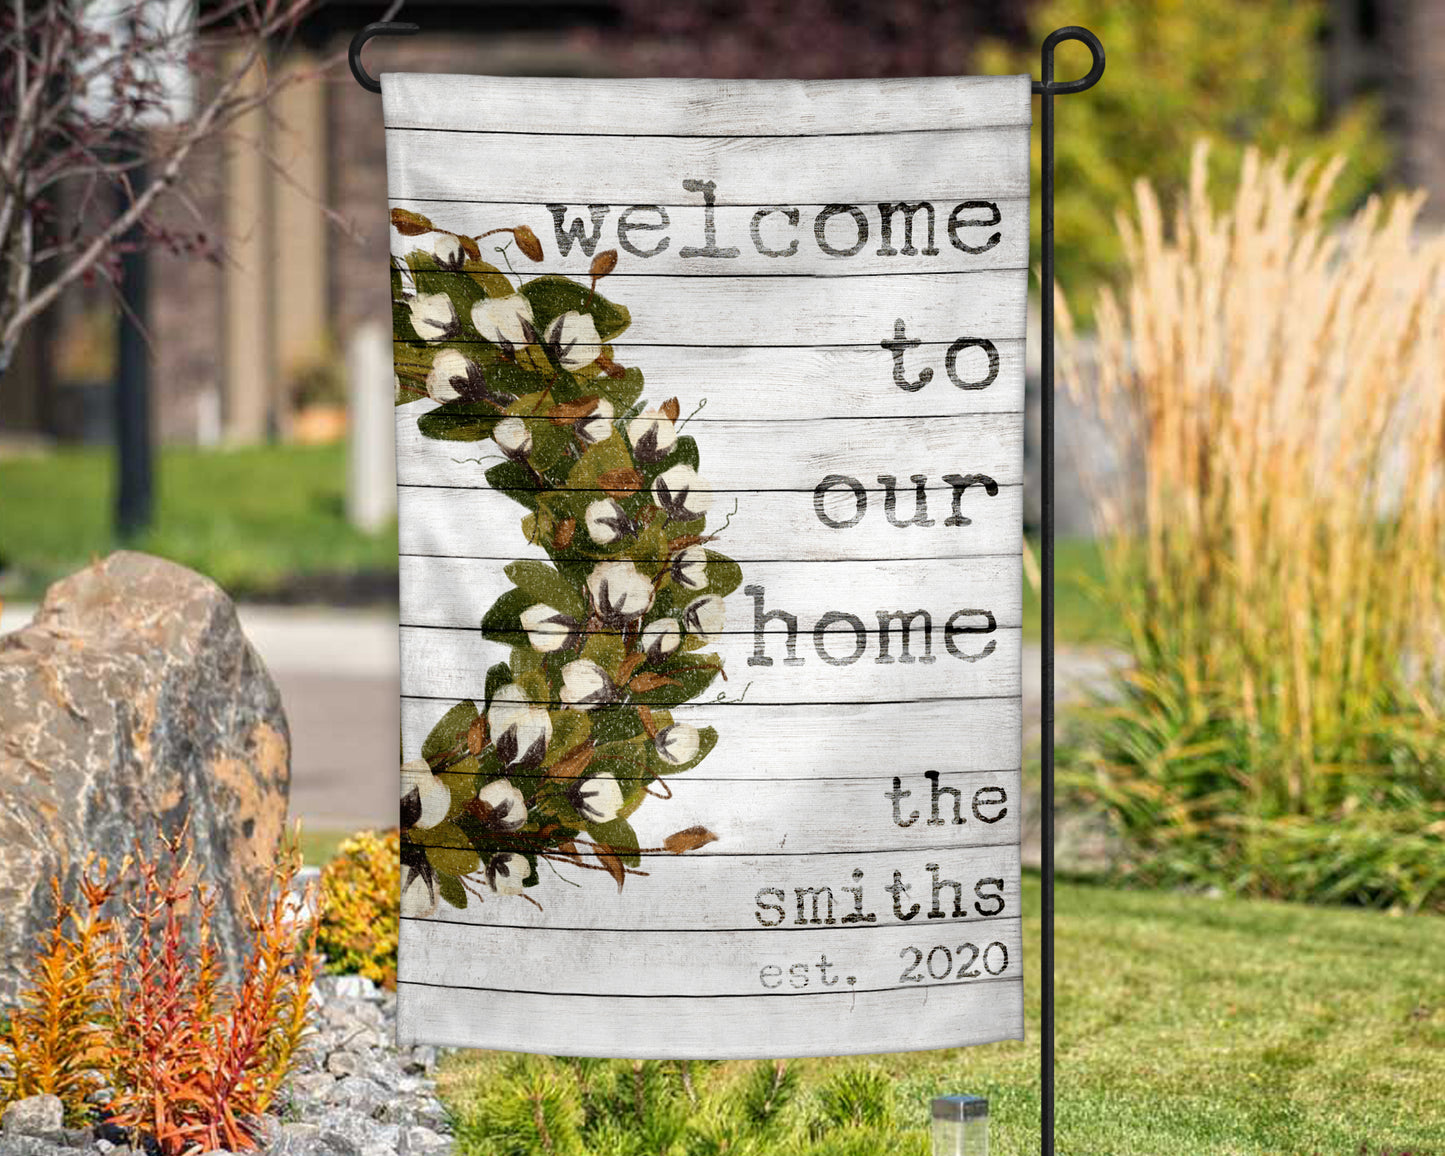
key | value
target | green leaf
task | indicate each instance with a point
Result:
(459, 421)
(723, 574)
(622, 391)
(516, 481)
(606, 455)
(450, 888)
(461, 780)
(450, 732)
(606, 650)
(614, 724)
(569, 728)
(552, 295)
(543, 584)
(693, 674)
(620, 836)
(453, 860)
(488, 278)
(502, 622)
(498, 676)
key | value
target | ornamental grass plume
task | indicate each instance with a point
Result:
(1279, 562)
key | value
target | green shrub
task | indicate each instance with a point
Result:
(1235, 74)
(536, 1106)
(1278, 564)
(360, 887)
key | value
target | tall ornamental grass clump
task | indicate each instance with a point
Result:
(1279, 561)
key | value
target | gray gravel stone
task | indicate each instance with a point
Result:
(42, 1116)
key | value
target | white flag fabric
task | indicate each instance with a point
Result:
(709, 455)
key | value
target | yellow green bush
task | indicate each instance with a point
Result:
(360, 890)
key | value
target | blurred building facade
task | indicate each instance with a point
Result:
(246, 347)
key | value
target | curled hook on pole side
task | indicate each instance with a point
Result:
(353, 55)
(1051, 87)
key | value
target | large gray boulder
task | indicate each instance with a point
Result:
(133, 699)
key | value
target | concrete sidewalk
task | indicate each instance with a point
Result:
(338, 674)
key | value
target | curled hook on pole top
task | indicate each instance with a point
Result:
(1048, 86)
(383, 28)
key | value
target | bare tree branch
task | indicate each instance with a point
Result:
(82, 110)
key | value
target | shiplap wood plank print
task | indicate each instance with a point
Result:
(709, 452)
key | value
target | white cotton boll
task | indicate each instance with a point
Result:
(652, 435)
(574, 342)
(705, 617)
(585, 685)
(513, 437)
(433, 316)
(418, 896)
(620, 592)
(661, 638)
(507, 873)
(503, 320)
(681, 493)
(598, 799)
(503, 807)
(678, 743)
(449, 367)
(548, 630)
(433, 795)
(448, 250)
(605, 521)
(596, 426)
(520, 730)
(689, 568)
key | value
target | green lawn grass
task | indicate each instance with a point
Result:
(250, 518)
(1204, 1027)
(1081, 616)
(254, 518)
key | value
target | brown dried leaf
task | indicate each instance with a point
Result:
(610, 367)
(470, 247)
(671, 408)
(410, 224)
(569, 849)
(620, 482)
(567, 412)
(575, 763)
(644, 716)
(562, 535)
(684, 542)
(477, 735)
(603, 264)
(629, 664)
(527, 242)
(647, 680)
(613, 862)
(689, 840)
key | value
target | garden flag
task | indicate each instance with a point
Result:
(709, 447)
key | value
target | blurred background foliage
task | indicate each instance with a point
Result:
(1234, 74)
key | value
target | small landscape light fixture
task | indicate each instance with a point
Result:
(960, 1126)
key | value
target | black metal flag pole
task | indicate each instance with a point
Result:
(1047, 88)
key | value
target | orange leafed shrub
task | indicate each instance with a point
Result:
(137, 1001)
(54, 1041)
